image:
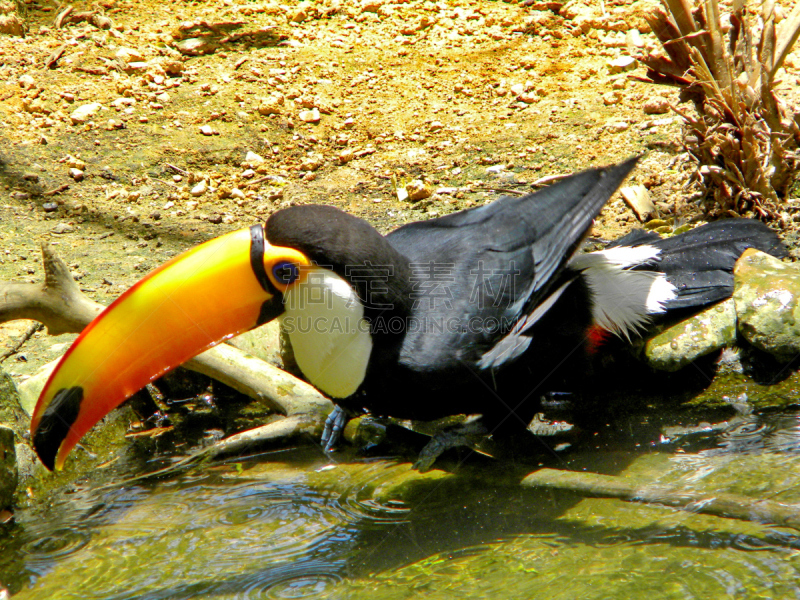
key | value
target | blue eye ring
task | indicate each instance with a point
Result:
(285, 272)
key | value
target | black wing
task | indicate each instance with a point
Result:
(479, 275)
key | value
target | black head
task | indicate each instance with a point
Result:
(348, 246)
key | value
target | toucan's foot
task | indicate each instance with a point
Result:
(334, 426)
(469, 435)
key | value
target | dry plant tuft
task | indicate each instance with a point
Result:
(744, 138)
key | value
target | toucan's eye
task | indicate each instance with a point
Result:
(285, 272)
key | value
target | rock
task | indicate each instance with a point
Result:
(418, 190)
(708, 331)
(83, 113)
(371, 5)
(656, 106)
(312, 163)
(301, 14)
(364, 431)
(309, 116)
(638, 198)
(617, 126)
(623, 63)
(13, 413)
(253, 159)
(8, 467)
(766, 293)
(207, 130)
(199, 189)
(75, 163)
(26, 82)
(611, 98)
(195, 46)
(62, 228)
(76, 174)
(346, 155)
(11, 25)
(273, 105)
(129, 55)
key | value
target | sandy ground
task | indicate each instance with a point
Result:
(183, 120)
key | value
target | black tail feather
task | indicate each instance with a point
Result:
(699, 263)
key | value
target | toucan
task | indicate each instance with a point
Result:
(467, 313)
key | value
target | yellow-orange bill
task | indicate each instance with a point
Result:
(206, 295)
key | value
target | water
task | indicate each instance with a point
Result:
(294, 525)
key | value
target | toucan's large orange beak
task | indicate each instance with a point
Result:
(208, 294)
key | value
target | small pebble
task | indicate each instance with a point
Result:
(76, 174)
(62, 228)
(199, 189)
(207, 130)
(50, 207)
(623, 63)
(418, 190)
(309, 116)
(656, 106)
(85, 112)
(611, 98)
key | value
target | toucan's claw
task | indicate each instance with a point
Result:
(467, 435)
(334, 426)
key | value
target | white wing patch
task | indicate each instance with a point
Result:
(623, 300)
(330, 338)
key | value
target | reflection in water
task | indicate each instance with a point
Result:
(297, 530)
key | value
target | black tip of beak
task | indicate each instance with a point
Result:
(55, 424)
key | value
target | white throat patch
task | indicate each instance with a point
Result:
(331, 340)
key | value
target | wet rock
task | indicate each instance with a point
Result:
(708, 331)
(8, 467)
(766, 295)
(364, 431)
(85, 112)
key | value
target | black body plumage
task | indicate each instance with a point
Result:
(479, 311)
